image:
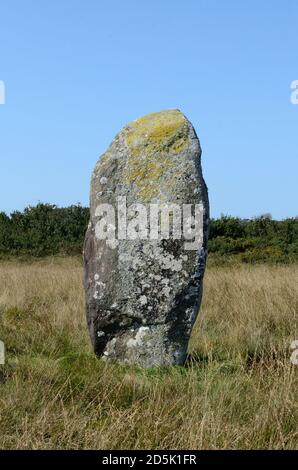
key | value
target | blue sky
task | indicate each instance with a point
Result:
(76, 71)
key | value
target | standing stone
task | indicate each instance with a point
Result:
(143, 289)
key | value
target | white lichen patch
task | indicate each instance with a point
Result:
(169, 262)
(165, 259)
(138, 340)
(143, 300)
(113, 243)
(166, 291)
(137, 263)
(99, 287)
(145, 284)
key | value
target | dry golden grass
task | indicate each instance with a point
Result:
(239, 389)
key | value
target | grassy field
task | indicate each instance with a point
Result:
(238, 390)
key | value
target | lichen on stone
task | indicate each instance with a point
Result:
(153, 141)
(157, 131)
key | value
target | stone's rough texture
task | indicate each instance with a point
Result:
(143, 296)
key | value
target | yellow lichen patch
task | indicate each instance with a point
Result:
(152, 142)
(178, 146)
(157, 131)
(146, 175)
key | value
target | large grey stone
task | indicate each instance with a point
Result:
(143, 295)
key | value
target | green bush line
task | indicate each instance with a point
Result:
(46, 230)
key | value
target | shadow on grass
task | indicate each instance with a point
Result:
(196, 359)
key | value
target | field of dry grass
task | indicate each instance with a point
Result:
(238, 390)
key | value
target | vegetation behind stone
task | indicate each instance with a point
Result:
(46, 230)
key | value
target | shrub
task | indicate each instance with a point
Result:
(49, 230)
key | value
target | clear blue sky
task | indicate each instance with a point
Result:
(76, 71)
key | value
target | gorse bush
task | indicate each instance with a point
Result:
(49, 230)
(257, 239)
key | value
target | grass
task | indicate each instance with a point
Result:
(238, 389)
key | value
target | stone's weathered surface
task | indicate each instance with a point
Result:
(143, 296)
